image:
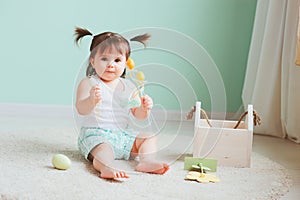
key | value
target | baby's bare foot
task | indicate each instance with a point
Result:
(109, 173)
(153, 167)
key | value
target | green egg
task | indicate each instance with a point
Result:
(61, 161)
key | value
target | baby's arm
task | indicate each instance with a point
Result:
(143, 111)
(87, 97)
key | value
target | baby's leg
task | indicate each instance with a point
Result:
(103, 157)
(146, 148)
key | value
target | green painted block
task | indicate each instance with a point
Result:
(207, 162)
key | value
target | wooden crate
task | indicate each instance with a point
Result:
(231, 147)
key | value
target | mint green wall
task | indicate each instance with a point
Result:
(39, 61)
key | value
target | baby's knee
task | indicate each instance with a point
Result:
(152, 139)
(147, 135)
(143, 139)
(100, 150)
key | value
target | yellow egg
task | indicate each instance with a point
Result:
(140, 76)
(61, 161)
(130, 63)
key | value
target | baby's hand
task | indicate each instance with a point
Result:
(95, 95)
(147, 103)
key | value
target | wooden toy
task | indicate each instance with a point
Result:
(189, 163)
(201, 177)
(219, 140)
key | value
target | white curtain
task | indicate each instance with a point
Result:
(272, 81)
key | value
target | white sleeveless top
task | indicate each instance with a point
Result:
(112, 112)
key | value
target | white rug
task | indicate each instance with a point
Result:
(26, 172)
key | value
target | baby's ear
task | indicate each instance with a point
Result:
(92, 61)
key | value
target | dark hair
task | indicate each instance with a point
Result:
(106, 40)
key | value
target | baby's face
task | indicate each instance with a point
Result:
(109, 65)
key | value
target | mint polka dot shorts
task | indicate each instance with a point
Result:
(120, 141)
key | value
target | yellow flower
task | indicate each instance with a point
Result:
(201, 177)
(130, 63)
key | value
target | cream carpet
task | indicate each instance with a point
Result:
(26, 172)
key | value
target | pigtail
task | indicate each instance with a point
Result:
(141, 38)
(80, 33)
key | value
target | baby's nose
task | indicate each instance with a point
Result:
(112, 63)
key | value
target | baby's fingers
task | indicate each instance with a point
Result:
(147, 102)
(95, 94)
(97, 89)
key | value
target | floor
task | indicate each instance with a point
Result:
(286, 153)
(283, 151)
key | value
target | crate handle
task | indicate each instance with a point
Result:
(256, 119)
(197, 109)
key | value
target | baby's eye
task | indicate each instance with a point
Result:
(104, 59)
(118, 60)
